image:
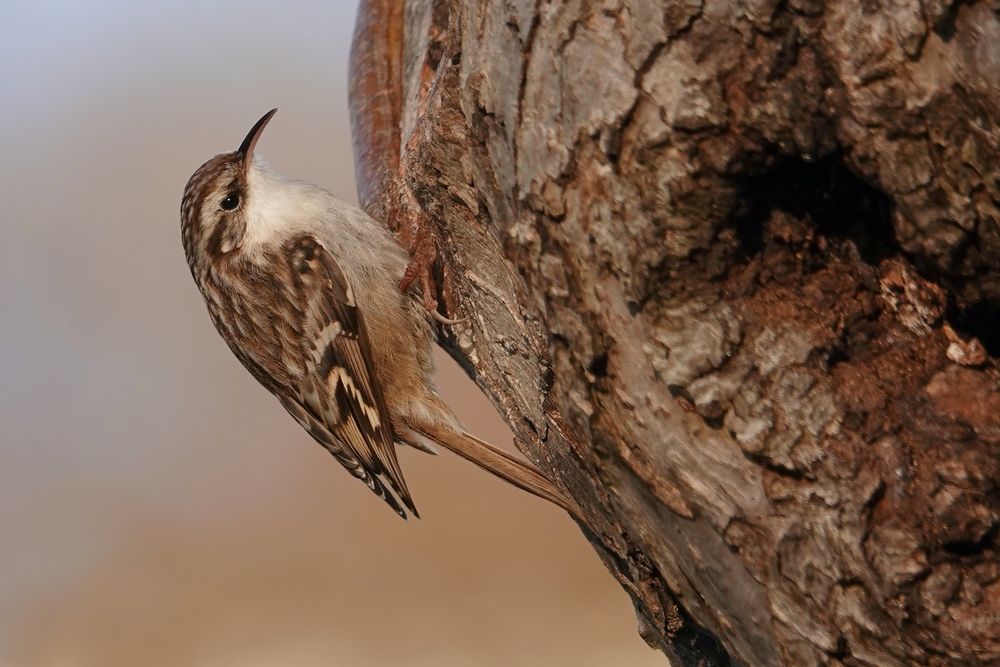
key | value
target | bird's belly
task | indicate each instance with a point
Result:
(399, 334)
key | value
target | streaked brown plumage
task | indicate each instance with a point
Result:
(303, 289)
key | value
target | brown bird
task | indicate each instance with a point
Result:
(304, 289)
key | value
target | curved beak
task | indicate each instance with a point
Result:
(245, 151)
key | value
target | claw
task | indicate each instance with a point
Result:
(445, 320)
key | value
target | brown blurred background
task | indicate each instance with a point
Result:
(157, 507)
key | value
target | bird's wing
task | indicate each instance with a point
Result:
(339, 399)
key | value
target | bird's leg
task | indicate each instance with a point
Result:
(420, 269)
(414, 271)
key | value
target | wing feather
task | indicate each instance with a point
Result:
(344, 456)
(339, 400)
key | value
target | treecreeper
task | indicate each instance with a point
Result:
(304, 288)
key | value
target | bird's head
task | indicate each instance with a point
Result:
(214, 211)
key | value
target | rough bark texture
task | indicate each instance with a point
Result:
(730, 269)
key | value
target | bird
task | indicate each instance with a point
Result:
(305, 290)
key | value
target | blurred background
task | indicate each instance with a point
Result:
(158, 507)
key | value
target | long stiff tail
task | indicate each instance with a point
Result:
(519, 473)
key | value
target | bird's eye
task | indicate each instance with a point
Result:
(230, 202)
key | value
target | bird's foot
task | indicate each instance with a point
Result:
(419, 271)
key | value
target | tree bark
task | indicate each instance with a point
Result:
(730, 270)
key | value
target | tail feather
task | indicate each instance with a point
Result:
(519, 473)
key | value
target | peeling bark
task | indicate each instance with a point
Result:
(731, 273)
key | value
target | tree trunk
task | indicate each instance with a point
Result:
(730, 273)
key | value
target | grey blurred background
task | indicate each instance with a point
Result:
(157, 507)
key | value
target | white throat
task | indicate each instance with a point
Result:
(278, 207)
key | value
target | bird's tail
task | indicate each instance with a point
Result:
(519, 473)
